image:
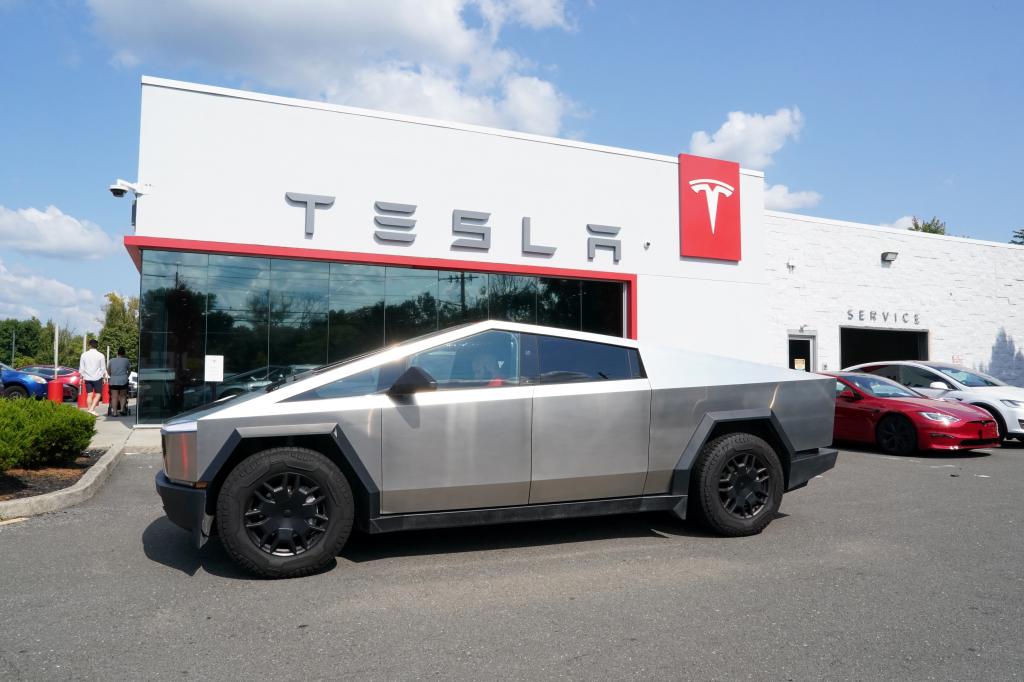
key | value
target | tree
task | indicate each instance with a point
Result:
(24, 336)
(70, 346)
(1018, 236)
(933, 226)
(121, 326)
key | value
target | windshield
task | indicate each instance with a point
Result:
(7, 367)
(880, 387)
(969, 378)
(338, 363)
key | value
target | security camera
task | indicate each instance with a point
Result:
(122, 187)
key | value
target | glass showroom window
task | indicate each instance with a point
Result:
(272, 317)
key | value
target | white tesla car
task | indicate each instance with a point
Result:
(941, 380)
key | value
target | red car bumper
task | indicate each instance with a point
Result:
(963, 436)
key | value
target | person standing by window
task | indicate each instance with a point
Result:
(118, 369)
(91, 367)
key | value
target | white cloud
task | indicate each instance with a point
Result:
(27, 295)
(780, 198)
(750, 139)
(53, 233)
(410, 56)
(903, 223)
(535, 14)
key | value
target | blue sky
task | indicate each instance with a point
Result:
(866, 111)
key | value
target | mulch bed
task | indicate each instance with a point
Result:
(17, 483)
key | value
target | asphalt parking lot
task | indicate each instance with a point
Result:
(884, 568)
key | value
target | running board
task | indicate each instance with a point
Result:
(390, 523)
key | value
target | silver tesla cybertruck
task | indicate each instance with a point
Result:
(492, 422)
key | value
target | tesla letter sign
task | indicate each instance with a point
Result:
(709, 208)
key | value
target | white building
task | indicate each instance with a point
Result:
(281, 233)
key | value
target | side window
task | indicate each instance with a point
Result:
(840, 387)
(887, 371)
(361, 383)
(915, 377)
(568, 360)
(487, 359)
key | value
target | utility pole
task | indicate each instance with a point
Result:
(14, 336)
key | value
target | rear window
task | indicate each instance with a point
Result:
(570, 360)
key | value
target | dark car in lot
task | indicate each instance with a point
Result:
(488, 423)
(901, 421)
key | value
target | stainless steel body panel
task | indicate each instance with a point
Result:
(590, 440)
(508, 446)
(457, 449)
(357, 419)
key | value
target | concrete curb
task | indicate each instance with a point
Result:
(82, 490)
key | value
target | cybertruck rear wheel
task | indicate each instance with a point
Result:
(285, 512)
(737, 485)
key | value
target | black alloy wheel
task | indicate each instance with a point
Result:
(744, 486)
(15, 392)
(736, 485)
(897, 436)
(286, 514)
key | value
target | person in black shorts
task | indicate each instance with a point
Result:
(118, 369)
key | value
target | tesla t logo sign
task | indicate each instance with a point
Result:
(709, 208)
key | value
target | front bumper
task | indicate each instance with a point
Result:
(807, 464)
(961, 436)
(185, 507)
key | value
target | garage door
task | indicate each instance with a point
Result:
(873, 345)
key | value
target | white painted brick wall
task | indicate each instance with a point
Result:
(962, 290)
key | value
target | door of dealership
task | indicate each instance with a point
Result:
(858, 345)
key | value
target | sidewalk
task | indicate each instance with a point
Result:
(113, 430)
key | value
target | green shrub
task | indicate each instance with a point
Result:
(35, 433)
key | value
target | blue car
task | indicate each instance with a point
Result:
(21, 384)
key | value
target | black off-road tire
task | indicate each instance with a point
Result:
(255, 476)
(15, 392)
(896, 435)
(718, 464)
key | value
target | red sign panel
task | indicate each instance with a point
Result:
(709, 208)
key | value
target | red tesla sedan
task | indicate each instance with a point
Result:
(900, 421)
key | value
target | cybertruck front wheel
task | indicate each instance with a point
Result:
(737, 485)
(285, 512)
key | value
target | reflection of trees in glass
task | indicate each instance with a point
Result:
(463, 297)
(356, 331)
(239, 333)
(1007, 360)
(180, 311)
(410, 317)
(512, 298)
(558, 303)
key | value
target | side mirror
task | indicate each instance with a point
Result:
(847, 394)
(939, 386)
(412, 380)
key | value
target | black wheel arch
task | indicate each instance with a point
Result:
(333, 445)
(761, 423)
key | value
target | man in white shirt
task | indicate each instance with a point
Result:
(93, 368)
